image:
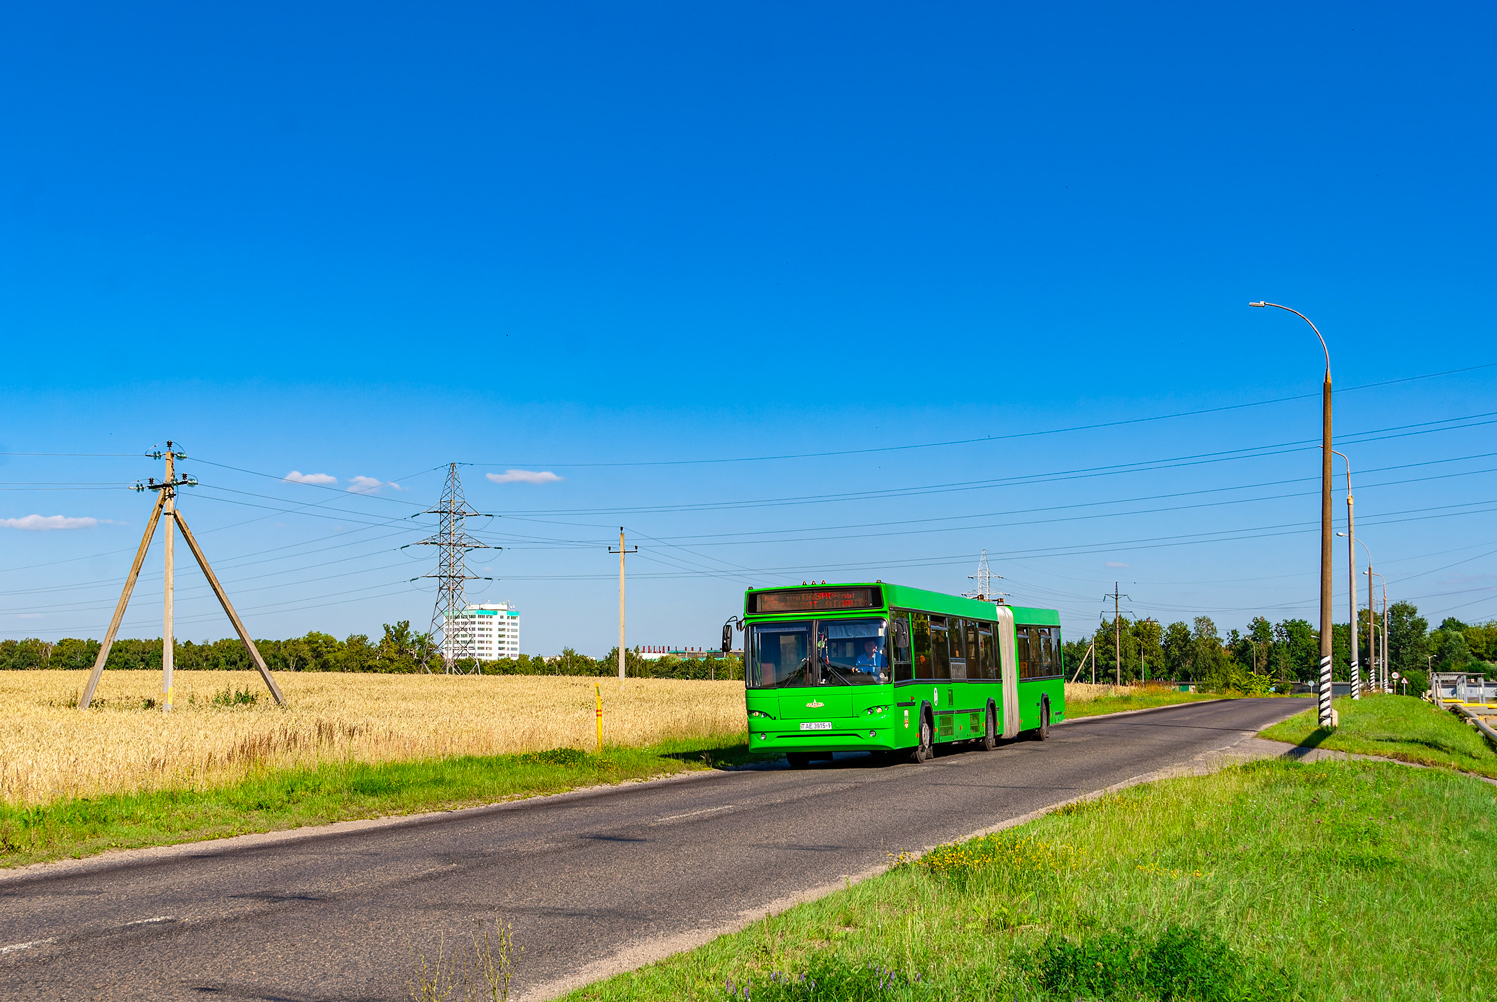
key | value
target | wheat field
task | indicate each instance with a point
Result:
(50, 750)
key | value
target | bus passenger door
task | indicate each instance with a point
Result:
(1009, 669)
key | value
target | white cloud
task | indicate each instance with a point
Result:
(368, 485)
(1117, 563)
(297, 477)
(523, 477)
(41, 523)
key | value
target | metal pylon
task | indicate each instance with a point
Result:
(453, 543)
(984, 578)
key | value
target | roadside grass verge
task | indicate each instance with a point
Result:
(1270, 881)
(1402, 727)
(276, 799)
(1080, 702)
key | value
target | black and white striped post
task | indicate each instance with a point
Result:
(1327, 716)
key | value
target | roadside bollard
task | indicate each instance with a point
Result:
(598, 693)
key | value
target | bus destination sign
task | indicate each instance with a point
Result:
(817, 600)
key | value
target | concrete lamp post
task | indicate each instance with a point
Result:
(1327, 715)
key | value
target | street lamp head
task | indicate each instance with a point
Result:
(1257, 304)
(1340, 533)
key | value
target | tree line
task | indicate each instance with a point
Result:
(1269, 655)
(400, 651)
(1264, 656)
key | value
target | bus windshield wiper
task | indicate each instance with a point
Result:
(830, 668)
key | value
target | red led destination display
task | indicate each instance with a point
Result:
(817, 600)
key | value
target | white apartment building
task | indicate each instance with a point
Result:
(489, 632)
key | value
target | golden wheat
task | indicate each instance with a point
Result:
(1085, 692)
(49, 749)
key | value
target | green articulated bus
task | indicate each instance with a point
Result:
(894, 670)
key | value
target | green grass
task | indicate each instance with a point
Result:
(1401, 727)
(1141, 701)
(1271, 881)
(333, 792)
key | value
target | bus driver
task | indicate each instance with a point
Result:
(872, 657)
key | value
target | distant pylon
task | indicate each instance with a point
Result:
(984, 578)
(453, 543)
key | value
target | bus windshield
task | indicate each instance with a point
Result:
(847, 652)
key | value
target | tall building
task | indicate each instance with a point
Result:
(490, 631)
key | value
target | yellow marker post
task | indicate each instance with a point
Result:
(598, 692)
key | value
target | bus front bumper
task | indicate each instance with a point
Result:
(842, 736)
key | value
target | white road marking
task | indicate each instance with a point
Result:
(692, 814)
(150, 921)
(27, 946)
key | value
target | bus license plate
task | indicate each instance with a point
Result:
(815, 727)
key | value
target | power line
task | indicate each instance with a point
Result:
(999, 438)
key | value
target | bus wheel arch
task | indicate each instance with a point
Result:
(925, 744)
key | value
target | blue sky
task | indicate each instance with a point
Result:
(643, 248)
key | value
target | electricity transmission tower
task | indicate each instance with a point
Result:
(984, 578)
(452, 640)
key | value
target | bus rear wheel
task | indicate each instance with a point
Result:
(925, 750)
(798, 760)
(1043, 734)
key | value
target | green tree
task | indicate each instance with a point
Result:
(71, 653)
(1296, 650)
(1177, 648)
(1450, 650)
(399, 649)
(1408, 638)
(1209, 659)
(1148, 638)
(1480, 637)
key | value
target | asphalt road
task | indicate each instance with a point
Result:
(583, 878)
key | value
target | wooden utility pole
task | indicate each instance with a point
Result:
(166, 505)
(621, 551)
(168, 644)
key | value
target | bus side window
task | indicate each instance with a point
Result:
(940, 653)
(974, 651)
(901, 644)
(920, 632)
(1052, 650)
(989, 656)
(1021, 647)
(956, 637)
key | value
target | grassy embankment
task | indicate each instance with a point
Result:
(1086, 700)
(350, 746)
(1270, 881)
(1401, 727)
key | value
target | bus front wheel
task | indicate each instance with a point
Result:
(924, 751)
(1043, 734)
(990, 733)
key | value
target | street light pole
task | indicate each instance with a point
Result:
(1387, 683)
(1371, 621)
(1351, 569)
(1327, 716)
